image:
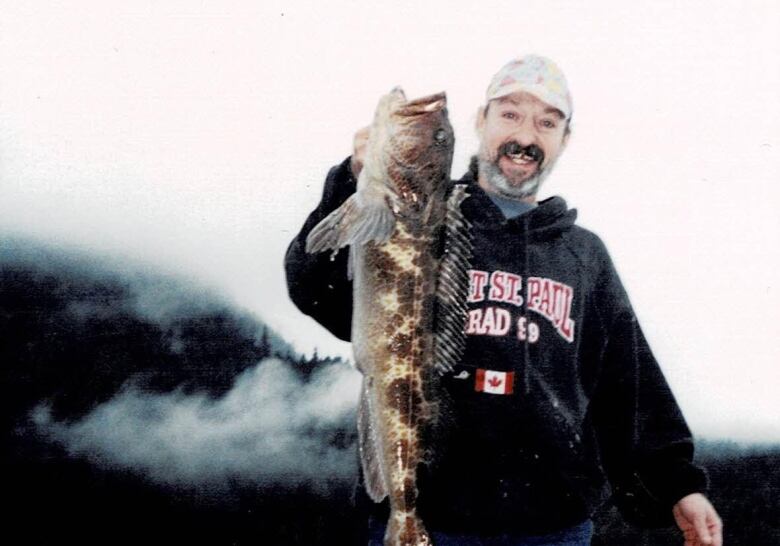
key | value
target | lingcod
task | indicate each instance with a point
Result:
(409, 251)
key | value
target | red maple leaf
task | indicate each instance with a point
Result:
(494, 382)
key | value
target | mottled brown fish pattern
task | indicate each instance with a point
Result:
(400, 335)
(393, 225)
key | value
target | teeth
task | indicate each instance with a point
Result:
(521, 158)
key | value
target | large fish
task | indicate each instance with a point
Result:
(408, 294)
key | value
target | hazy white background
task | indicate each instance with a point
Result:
(195, 136)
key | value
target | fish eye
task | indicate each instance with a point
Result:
(440, 136)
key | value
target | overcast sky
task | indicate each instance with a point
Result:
(195, 136)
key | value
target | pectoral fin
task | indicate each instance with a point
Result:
(362, 218)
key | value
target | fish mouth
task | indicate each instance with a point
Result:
(424, 105)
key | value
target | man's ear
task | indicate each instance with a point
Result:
(566, 136)
(479, 126)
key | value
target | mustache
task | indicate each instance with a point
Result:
(532, 151)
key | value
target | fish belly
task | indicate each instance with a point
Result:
(393, 343)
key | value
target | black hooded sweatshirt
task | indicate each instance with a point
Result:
(557, 397)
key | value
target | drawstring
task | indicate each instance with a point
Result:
(526, 363)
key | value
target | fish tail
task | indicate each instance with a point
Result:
(406, 529)
(406, 415)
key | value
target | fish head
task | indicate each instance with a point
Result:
(415, 144)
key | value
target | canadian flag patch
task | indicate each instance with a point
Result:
(494, 382)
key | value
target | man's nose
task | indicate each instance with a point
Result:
(525, 134)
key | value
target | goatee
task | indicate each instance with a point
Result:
(500, 184)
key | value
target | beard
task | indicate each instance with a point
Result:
(501, 184)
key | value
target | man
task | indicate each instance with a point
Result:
(557, 393)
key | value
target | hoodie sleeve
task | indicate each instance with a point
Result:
(317, 284)
(646, 445)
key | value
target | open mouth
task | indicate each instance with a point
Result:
(423, 105)
(522, 156)
(521, 159)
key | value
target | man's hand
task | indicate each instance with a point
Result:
(359, 150)
(699, 521)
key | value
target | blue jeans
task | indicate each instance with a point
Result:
(578, 535)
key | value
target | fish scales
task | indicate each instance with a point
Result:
(393, 225)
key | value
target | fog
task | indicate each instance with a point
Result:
(271, 428)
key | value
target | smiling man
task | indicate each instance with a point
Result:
(523, 129)
(558, 403)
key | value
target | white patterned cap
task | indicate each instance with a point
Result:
(536, 75)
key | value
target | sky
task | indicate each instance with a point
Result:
(195, 137)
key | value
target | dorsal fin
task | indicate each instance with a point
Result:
(453, 284)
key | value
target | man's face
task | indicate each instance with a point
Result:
(520, 139)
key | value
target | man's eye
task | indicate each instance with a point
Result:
(548, 124)
(509, 115)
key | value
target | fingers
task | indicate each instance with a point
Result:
(698, 520)
(702, 531)
(709, 527)
(681, 520)
(705, 531)
(359, 150)
(715, 526)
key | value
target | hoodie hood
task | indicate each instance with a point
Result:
(550, 218)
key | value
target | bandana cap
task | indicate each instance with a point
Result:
(536, 75)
